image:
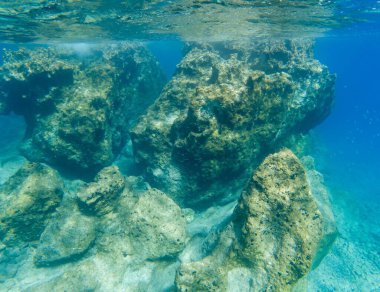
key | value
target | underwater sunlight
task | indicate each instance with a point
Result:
(189, 145)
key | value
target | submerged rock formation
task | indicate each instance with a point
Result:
(78, 108)
(134, 247)
(100, 196)
(27, 201)
(279, 222)
(65, 239)
(157, 226)
(226, 108)
(275, 233)
(145, 223)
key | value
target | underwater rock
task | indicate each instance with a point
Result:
(279, 221)
(273, 238)
(210, 273)
(78, 108)
(135, 247)
(225, 109)
(99, 196)
(65, 239)
(156, 226)
(27, 201)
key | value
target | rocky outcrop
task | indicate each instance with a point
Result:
(65, 239)
(279, 222)
(144, 224)
(99, 197)
(27, 201)
(156, 226)
(135, 246)
(227, 107)
(270, 244)
(78, 109)
(74, 229)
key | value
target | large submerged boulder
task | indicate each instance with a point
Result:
(78, 108)
(276, 231)
(27, 201)
(68, 237)
(100, 196)
(156, 226)
(279, 222)
(226, 108)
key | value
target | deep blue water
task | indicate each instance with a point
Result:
(352, 131)
(169, 54)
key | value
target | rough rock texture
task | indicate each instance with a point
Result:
(156, 226)
(78, 108)
(145, 224)
(27, 201)
(98, 197)
(276, 231)
(226, 108)
(66, 238)
(135, 247)
(279, 221)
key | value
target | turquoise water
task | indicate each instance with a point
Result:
(144, 122)
(351, 162)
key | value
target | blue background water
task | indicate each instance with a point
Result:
(352, 132)
(350, 160)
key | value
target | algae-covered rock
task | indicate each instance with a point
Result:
(225, 108)
(156, 226)
(279, 222)
(275, 233)
(27, 201)
(65, 239)
(99, 196)
(78, 108)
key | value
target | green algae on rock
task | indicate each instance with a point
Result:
(99, 197)
(78, 108)
(279, 221)
(27, 201)
(226, 107)
(274, 235)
